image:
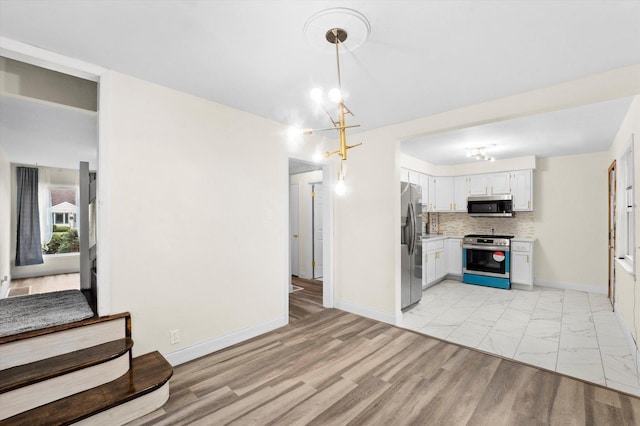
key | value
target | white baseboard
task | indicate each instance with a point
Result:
(209, 346)
(367, 312)
(572, 286)
(635, 352)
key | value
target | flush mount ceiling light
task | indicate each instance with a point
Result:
(328, 30)
(480, 153)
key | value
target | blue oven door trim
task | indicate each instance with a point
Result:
(504, 283)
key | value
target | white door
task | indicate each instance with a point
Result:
(317, 194)
(294, 228)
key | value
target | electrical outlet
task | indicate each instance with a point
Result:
(174, 336)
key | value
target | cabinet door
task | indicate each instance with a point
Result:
(460, 192)
(500, 183)
(425, 262)
(426, 197)
(522, 262)
(404, 174)
(444, 194)
(522, 190)
(478, 185)
(521, 268)
(429, 268)
(414, 177)
(441, 262)
(454, 256)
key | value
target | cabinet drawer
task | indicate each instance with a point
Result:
(435, 245)
(521, 246)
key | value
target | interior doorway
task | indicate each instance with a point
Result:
(317, 195)
(612, 233)
(294, 225)
(307, 211)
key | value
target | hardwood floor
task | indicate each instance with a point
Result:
(334, 368)
(46, 284)
(306, 301)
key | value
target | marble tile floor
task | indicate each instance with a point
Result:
(571, 332)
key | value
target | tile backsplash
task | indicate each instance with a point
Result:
(459, 224)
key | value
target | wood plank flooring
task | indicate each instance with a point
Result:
(335, 368)
(306, 301)
(46, 284)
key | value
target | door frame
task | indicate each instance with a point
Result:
(329, 177)
(611, 231)
(43, 58)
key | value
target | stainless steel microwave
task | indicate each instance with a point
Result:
(490, 205)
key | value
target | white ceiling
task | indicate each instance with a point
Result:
(41, 133)
(421, 58)
(589, 128)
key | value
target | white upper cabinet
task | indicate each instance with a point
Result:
(404, 175)
(500, 183)
(449, 194)
(522, 190)
(426, 195)
(478, 185)
(410, 176)
(444, 194)
(460, 192)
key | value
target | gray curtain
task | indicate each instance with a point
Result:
(28, 248)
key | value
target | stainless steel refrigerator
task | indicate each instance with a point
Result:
(411, 243)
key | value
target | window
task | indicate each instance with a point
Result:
(626, 249)
(62, 210)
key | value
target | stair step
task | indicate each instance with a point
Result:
(64, 327)
(148, 373)
(28, 374)
(37, 345)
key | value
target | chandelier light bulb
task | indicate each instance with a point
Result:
(294, 132)
(317, 156)
(334, 95)
(316, 94)
(340, 187)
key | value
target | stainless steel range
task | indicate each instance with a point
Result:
(486, 260)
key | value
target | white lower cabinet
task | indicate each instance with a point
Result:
(433, 262)
(454, 256)
(440, 258)
(522, 262)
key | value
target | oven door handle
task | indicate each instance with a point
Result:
(485, 247)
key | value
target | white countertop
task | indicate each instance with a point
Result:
(433, 237)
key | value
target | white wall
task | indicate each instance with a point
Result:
(627, 291)
(367, 234)
(570, 219)
(5, 217)
(194, 215)
(304, 214)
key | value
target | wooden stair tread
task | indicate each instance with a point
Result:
(148, 373)
(62, 327)
(34, 372)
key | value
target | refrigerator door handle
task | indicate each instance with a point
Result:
(412, 246)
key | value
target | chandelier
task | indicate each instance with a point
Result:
(337, 20)
(480, 153)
